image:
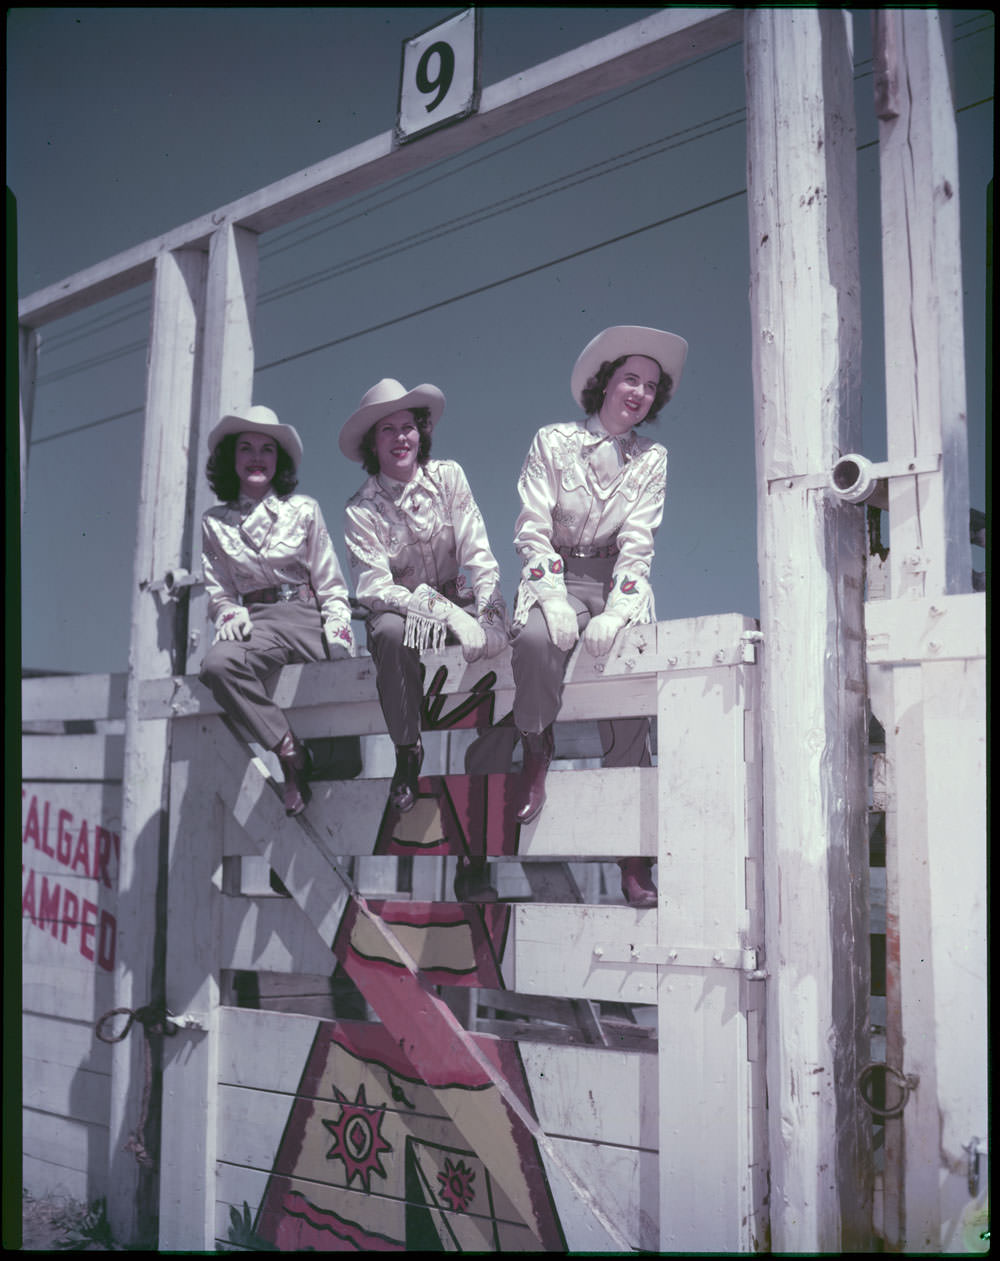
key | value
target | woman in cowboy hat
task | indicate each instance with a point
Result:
(591, 500)
(275, 589)
(410, 530)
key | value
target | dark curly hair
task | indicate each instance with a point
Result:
(221, 471)
(422, 415)
(593, 392)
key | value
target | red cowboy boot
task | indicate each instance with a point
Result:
(538, 750)
(637, 882)
(295, 766)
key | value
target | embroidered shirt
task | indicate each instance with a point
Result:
(247, 546)
(408, 544)
(582, 488)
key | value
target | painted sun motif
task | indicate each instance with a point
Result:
(456, 1185)
(358, 1140)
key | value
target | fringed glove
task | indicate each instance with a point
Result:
(599, 633)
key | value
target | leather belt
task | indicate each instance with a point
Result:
(285, 591)
(589, 553)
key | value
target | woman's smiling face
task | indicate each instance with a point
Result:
(397, 445)
(256, 462)
(630, 393)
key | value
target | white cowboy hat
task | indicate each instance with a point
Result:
(667, 349)
(258, 419)
(384, 398)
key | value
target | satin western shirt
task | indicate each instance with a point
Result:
(409, 543)
(247, 546)
(583, 489)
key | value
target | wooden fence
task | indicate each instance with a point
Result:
(531, 1074)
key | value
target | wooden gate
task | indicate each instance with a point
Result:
(624, 1048)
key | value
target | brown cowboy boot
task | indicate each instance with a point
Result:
(403, 789)
(538, 750)
(295, 766)
(637, 882)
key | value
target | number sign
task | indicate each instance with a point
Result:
(440, 77)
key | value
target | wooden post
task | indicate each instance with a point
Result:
(178, 295)
(227, 384)
(806, 370)
(922, 294)
(935, 907)
(27, 351)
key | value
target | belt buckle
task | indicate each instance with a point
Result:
(288, 591)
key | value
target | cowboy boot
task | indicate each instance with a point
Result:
(295, 766)
(637, 882)
(403, 789)
(538, 750)
(472, 883)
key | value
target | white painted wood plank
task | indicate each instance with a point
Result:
(46, 1180)
(70, 1150)
(594, 1094)
(703, 808)
(86, 757)
(634, 51)
(553, 952)
(628, 1182)
(704, 1096)
(262, 1049)
(345, 690)
(957, 883)
(65, 697)
(270, 935)
(58, 1040)
(65, 1091)
(251, 1125)
(347, 815)
(938, 628)
(58, 979)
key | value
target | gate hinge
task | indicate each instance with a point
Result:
(740, 960)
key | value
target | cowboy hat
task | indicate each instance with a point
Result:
(667, 349)
(384, 398)
(258, 419)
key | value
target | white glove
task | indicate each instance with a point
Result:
(235, 626)
(561, 621)
(599, 633)
(468, 632)
(496, 638)
(339, 640)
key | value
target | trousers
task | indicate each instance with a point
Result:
(398, 676)
(237, 672)
(539, 666)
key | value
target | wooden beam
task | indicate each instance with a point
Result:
(226, 386)
(805, 313)
(178, 296)
(652, 44)
(922, 299)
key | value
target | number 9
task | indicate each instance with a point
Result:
(445, 73)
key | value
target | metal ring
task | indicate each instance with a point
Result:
(905, 1083)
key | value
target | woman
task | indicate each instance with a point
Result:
(591, 500)
(410, 530)
(276, 592)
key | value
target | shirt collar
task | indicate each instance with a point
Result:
(397, 490)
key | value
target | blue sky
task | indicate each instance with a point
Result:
(124, 123)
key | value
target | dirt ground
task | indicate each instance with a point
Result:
(57, 1223)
